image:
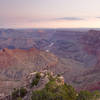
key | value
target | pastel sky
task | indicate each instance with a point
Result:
(49, 13)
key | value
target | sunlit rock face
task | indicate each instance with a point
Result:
(91, 44)
(17, 64)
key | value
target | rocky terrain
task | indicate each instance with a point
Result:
(44, 77)
(73, 54)
(90, 78)
(16, 64)
(46, 85)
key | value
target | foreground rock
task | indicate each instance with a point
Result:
(45, 85)
(33, 82)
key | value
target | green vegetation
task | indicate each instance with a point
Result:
(52, 91)
(23, 92)
(55, 89)
(19, 98)
(36, 80)
(86, 95)
(17, 94)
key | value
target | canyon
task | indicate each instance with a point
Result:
(73, 54)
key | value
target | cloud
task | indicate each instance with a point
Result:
(70, 18)
(98, 17)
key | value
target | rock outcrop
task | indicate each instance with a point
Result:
(17, 64)
(45, 77)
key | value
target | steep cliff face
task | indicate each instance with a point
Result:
(23, 61)
(35, 81)
(91, 43)
(90, 78)
(16, 64)
(11, 58)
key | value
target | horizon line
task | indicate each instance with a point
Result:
(54, 28)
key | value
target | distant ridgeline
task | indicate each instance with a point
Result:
(45, 85)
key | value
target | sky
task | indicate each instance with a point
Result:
(49, 13)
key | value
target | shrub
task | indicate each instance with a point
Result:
(18, 93)
(36, 80)
(96, 95)
(38, 75)
(15, 94)
(85, 95)
(54, 92)
(23, 92)
(19, 98)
